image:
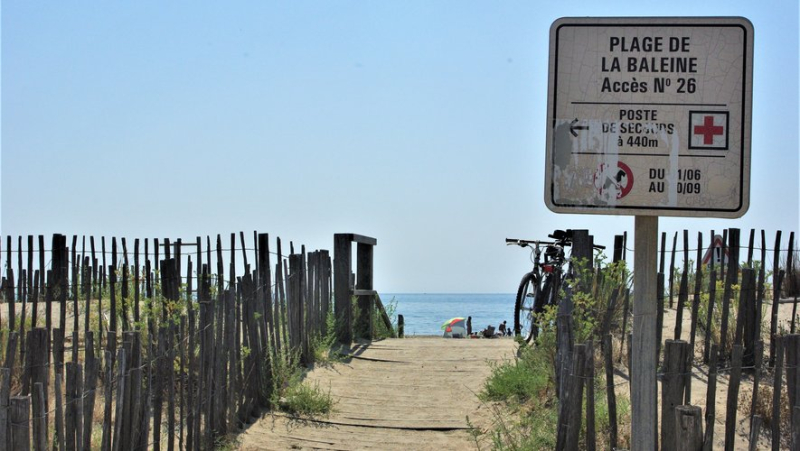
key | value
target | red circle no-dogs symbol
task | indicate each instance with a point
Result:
(613, 182)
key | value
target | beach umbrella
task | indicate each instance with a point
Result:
(450, 322)
(455, 328)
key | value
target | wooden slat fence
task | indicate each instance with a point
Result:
(170, 353)
(734, 331)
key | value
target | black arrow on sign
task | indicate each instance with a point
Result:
(573, 127)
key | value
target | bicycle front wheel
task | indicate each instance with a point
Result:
(529, 302)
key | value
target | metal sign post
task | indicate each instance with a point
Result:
(649, 117)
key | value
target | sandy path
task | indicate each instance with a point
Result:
(411, 393)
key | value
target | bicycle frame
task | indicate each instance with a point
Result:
(538, 287)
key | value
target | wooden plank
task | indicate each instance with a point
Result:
(761, 287)
(790, 271)
(698, 283)
(191, 381)
(12, 308)
(588, 379)
(659, 315)
(342, 265)
(71, 420)
(39, 418)
(672, 270)
(673, 385)
(711, 397)
(19, 419)
(89, 389)
(792, 346)
(105, 444)
(119, 417)
(364, 326)
(354, 237)
(746, 324)
(42, 268)
(170, 370)
(570, 416)
(610, 393)
(136, 285)
(712, 300)
(689, 428)
(776, 394)
(5, 391)
(127, 395)
(59, 432)
(683, 293)
(732, 279)
(565, 340)
(625, 315)
(758, 361)
(731, 407)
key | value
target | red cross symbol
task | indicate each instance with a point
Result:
(708, 130)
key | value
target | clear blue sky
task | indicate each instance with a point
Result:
(419, 123)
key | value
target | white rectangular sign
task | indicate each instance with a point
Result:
(649, 116)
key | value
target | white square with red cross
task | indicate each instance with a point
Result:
(708, 130)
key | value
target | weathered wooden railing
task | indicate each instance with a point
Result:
(344, 289)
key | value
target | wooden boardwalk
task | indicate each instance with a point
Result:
(413, 393)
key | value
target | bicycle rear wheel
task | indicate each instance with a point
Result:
(530, 301)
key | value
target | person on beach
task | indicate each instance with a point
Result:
(502, 328)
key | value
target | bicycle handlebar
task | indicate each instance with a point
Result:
(566, 240)
(524, 243)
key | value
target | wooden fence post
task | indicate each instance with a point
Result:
(711, 401)
(119, 417)
(89, 388)
(19, 421)
(366, 303)
(755, 432)
(569, 418)
(712, 299)
(72, 421)
(759, 357)
(683, 293)
(659, 315)
(5, 390)
(565, 339)
(39, 418)
(673, 385)
(792, 346)
(746, 317)
(776, 393)
(401, 324)
(776, 296)
(730, 280)
(689, 428)
(733, 396)
(59, 432)
(588, 379)
(295, 307)
(342, 264)
(698, 282)
(610, 394)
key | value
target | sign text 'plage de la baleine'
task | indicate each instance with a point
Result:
(649, 116)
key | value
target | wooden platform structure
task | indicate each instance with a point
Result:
(413, 393)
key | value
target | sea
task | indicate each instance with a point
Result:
(424, 313)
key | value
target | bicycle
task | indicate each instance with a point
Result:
(539, 288)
